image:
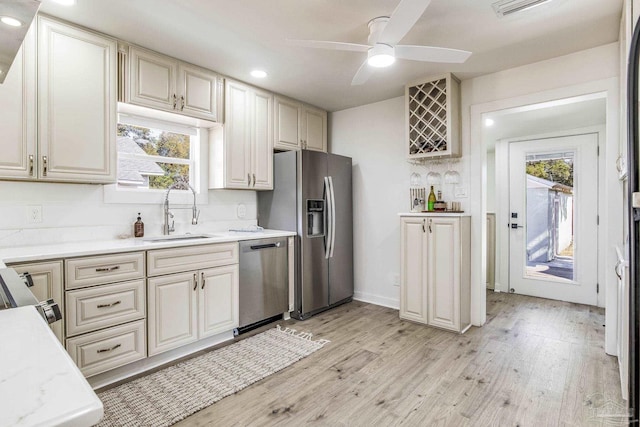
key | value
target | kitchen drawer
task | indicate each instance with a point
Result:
(97, 270)
(108, 349)
(176, 260)
(103, 306)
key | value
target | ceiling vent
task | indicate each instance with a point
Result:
(509, 7)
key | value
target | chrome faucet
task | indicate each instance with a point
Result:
(195, 213)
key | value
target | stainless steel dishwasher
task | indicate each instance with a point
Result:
(264, 281)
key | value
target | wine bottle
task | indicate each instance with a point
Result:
(431, 201)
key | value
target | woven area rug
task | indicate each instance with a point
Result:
(171, 394)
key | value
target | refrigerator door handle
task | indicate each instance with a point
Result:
(329, 220)
(333, 217)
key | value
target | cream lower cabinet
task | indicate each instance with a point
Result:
(47, 283)
(242, 152)
(185, 307)
(435, 271)
(105, 311)
(185, 303)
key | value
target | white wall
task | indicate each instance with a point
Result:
(587, 72)
(491, 181)
(373, 135)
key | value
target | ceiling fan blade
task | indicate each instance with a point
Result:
(362, 75)
(320, 44)
(402, 20)
(431, 54)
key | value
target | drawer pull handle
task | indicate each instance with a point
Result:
(195, 281)
(103, 269)
(109, 305)
(106, 350)
(203, 281)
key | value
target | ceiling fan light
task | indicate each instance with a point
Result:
(381, 61)
(381, 55)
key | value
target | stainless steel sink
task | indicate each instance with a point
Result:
(178, 238)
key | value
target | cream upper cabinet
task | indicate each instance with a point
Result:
(164, 83)
(18, 117)
(435, 271)
(299, 126)
(286, 124)
(313, 127)
(152, 79)
(76, 104)
(432, 117)
(47, 283)
(242, 151)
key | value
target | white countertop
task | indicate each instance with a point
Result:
(65, 250)
(444, 213)
(39, 383)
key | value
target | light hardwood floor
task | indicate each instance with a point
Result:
(535, 363)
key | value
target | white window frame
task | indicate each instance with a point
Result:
(198, 161)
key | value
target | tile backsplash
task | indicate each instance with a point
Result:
(77, 212)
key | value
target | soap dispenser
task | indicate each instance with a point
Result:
(138, 227)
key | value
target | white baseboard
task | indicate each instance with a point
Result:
(377, 300)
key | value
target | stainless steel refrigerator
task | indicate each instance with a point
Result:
(312, 196)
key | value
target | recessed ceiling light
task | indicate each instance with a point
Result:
(259, 74)
(489, 122)
(65, 2)
(12, 22)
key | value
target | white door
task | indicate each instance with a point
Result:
(287, 134)
(76, 104)
(237, 129)
(443, 282)
(314, 129)
(413, 271)
(198, 92)
(172, 311)
(152, 80)
(218, 300)
(18, 117)
(262, 140)
(553, 218)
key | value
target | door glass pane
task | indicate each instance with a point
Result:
(550, 199)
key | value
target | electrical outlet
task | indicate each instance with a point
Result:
(396, 280)
(241, 210)
(461, 192)
(34, 214)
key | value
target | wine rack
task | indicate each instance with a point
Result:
(433, 117)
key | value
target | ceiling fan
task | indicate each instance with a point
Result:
(384, 34)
